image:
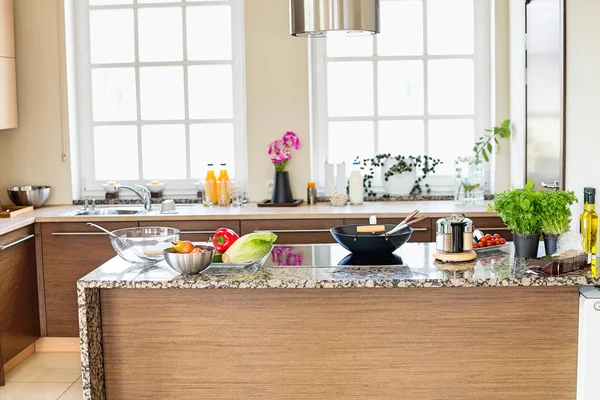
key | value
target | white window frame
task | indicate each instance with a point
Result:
(92, 187)
(483, 51)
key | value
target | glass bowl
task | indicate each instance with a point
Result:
(143, 245)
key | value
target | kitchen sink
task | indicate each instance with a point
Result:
(106, 211)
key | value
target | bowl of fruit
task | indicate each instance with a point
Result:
(189, 259)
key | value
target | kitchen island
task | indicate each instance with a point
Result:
(304, 327)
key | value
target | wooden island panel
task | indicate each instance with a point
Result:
(424, 343)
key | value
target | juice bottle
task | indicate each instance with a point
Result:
(223, 187)
(211, 185)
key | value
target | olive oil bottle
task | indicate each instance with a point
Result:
(589, 227)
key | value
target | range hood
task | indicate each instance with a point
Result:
(326, 18)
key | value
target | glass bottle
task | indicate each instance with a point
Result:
(211, 185)
(590, 228)
(223, 187)
(355, 184)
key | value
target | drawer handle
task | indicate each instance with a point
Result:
(493, 229)
(295, 230)
(420, 229)
(79, 234)
(2, 248)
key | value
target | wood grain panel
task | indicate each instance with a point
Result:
(7, 29)
(419, 236)
(195, 231)
(8, 93)
(492, 225)
(66, 259)
(376, 344)
(19, 321)
(296, 231)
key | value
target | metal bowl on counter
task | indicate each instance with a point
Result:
(190, 263)
(143, 245)
(34, 196)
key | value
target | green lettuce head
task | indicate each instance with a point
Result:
(250, 247)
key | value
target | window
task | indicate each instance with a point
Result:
(160, 90)
(421, 86)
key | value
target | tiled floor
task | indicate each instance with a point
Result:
(45, 376)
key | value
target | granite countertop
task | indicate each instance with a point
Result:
(316, 266)
(191, 212)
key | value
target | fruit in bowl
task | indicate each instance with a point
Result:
(191, 259)
(183, 247)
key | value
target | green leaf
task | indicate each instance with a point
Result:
(489, 147)
(485, 156)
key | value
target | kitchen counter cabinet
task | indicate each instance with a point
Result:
(195, 231)
(19, 316)
(300, 231)
(490, 225)
(70, 251)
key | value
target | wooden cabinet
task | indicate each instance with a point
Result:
(422, 233)
(8, 93)
(196, 231)
(7, 29)
(19, 316)
(297, 231)
(491, 225)
(69, 252)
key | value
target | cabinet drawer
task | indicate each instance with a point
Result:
(196, 231)
(422, 234)
(305, 231)
(492, 225)
(69, 252)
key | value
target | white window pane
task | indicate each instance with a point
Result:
(350, 89)
(209, 33)
(160, 34)
(451, 87)
(400, 87)
(114, 95)
(211, 143)
(351, 46)
(116, 153)
(163, 152)
(210, 91)
(109, 2)
(405, 138)
(111, 35)
(449, 139)
(348, 140)
(161, 92)
(159, 1)
(401, 28)
(450, 27)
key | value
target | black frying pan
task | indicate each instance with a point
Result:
(370, 243)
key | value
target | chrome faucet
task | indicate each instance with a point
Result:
(143, 194)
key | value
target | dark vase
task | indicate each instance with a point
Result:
(282, 189)
(550, 243)
(526, 246)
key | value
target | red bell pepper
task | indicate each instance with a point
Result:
(223, 239)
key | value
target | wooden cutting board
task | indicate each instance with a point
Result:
(14, 211)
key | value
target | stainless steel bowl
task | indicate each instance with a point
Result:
(34, 196)
(144, 245)
(190, 264)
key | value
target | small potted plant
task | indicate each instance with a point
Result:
(521, 210)
(281, 152)
(556, 217)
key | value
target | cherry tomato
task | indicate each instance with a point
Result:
(497, 236)
(475, 245)
(502, 241)
(482, 241)
(488, 236)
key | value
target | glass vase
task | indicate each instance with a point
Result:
(470, 181)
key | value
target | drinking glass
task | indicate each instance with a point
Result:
(224, 190)
(205, 192)
(237, 193)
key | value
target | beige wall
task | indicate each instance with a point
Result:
(277, 93)
(583, 102)
(33, 152)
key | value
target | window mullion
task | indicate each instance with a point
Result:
(375, 97)
(138, 92)
(186, 103)
(425, 81)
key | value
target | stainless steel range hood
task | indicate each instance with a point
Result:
(325, 18)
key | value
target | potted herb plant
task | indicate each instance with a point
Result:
(556, 217)
(281, 152)
(522, 211)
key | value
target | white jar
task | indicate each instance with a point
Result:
(356, 190)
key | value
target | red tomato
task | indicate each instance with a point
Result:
(475, 245)
(488, 236)
(502, 241)
(497, 236)
(482, 241)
